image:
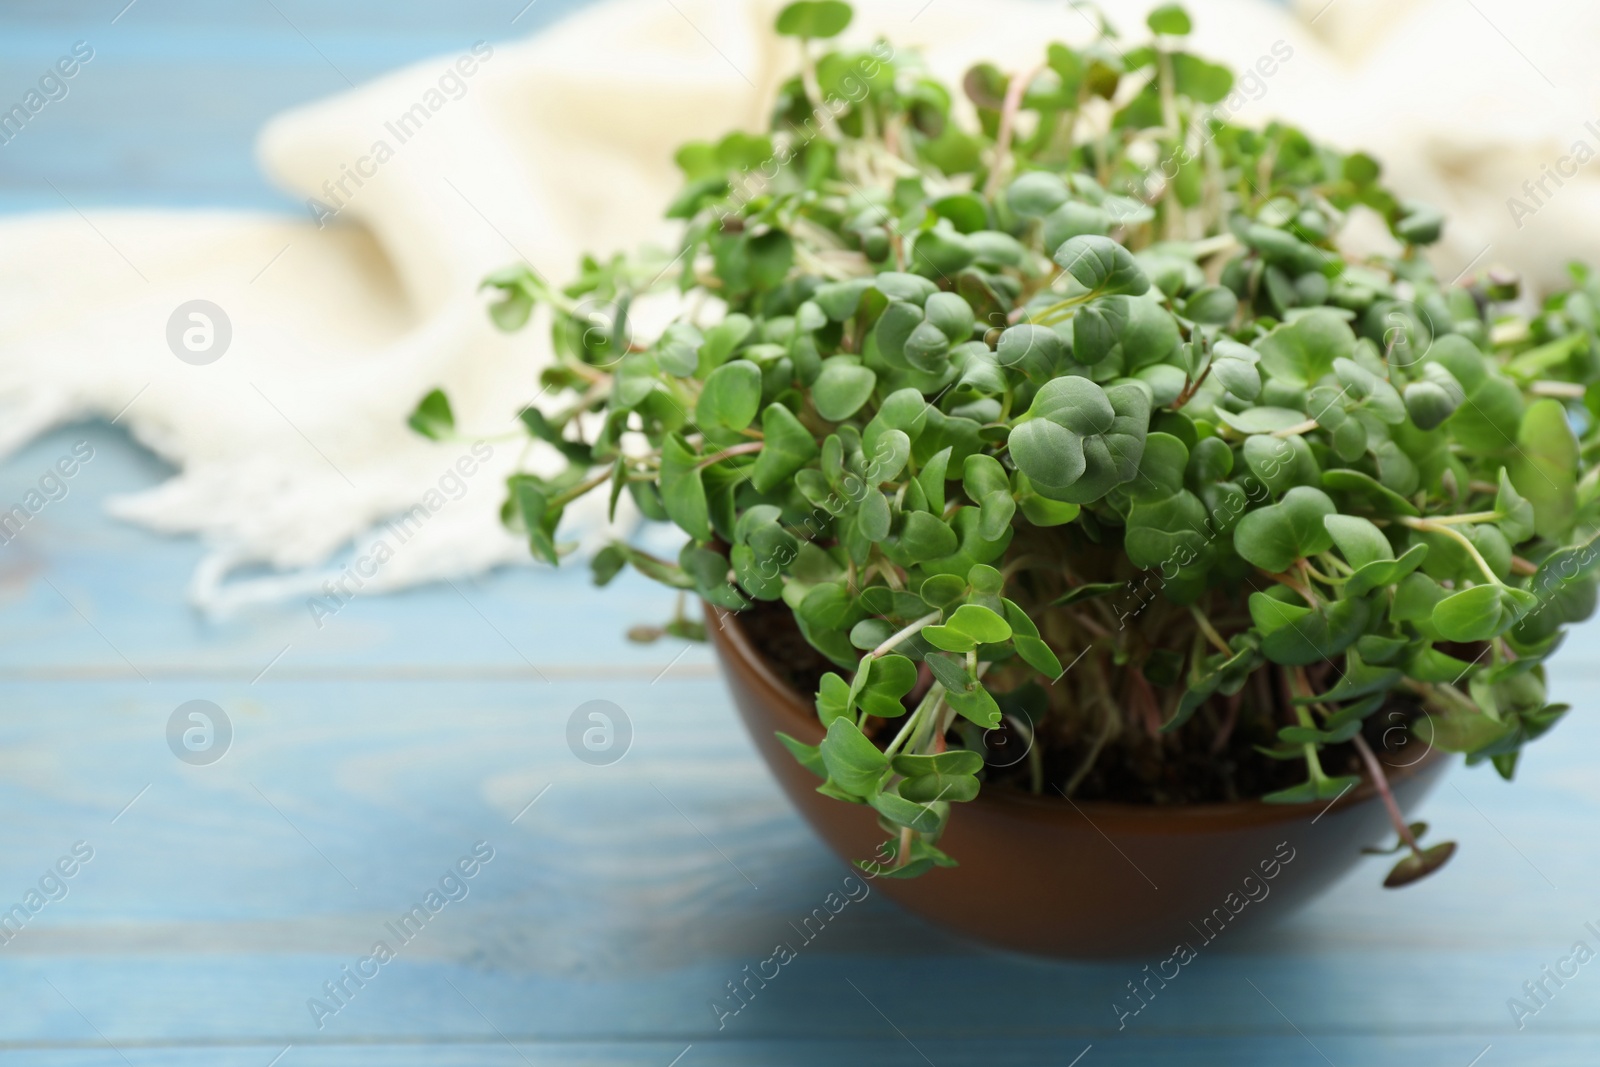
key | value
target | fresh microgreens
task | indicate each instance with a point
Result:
(1062, 414)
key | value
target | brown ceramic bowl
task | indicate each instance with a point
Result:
(1043, 875)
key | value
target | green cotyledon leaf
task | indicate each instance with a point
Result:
(1102, 266)
(1009, 412)
(814, 18)
(730, 397)
(1302, 351)
(1320, 634)
(786, 447)
(854, 763)
(1078, 440)
(969, 626)
(1482, 612)
(889, 679)
(683, 493)
(1544, 468)
(1275, 536)
(842, 388)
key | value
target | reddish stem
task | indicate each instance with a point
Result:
(1191, 389)
(1152, 706)
(735, 450)
(1230, 719)
(1382, 783)
(1008, 118)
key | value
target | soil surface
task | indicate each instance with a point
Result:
(1177, 768)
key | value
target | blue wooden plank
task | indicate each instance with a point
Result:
(167, 111)
(376, 750)
(1285, 1051)
(620, 904)
(74, 604)
(607, 913)
(525, 621)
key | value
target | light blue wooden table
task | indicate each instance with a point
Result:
(369, 756)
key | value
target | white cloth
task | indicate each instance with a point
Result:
(292, 448)
(1467, 102)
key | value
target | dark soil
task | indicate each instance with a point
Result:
(772, 629)
(1179, 768)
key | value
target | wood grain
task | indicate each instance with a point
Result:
(379, 748)
(617, 906)
(167, 111)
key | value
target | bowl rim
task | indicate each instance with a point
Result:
(729, 635)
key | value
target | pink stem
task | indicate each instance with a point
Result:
(1379, 780)
(1008, 118)
(736, 450)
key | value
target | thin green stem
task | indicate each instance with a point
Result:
(905, 632)
(930, 699)
(1008, 121)
(1209, 630)
(1433, 526)
(1457, 520)
(919, 737)
(1325, 579)
(581, 488)
(1303, 715)
(1297, 429)
(813, 88)
(1440, 694)
(1334, 563)
(1055, 312)
(734, 450)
